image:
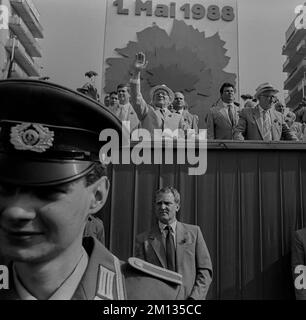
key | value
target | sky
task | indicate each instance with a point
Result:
(73, 40)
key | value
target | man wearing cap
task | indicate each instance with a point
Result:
(263, 122)
(51, 179)
(157, 115)
(223, 118)
(177, 246)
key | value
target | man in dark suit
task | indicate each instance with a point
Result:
(263, 122)
(223, 117)
(177, 246)
(51, 180)
(298, 262)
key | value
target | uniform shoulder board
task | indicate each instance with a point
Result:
(155, 271)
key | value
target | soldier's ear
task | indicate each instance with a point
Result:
(99, 191)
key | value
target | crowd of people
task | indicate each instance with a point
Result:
(262, 117)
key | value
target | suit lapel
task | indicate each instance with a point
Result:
(223, 110)
(180, 241)
(155, 239)
(256, 116)
(276, 130)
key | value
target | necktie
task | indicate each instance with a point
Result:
(266, 128)
(170, 249)
(230, 114)
(121, 114)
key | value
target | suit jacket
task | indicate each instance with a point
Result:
(151, 117)
(298, 257)
(188, 120)
(250, 126)
(219, 125)
(192, 257)
(106, 278)
(129, 115)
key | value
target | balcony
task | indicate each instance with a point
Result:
(25, 36)
(29, 14)
(296, 57)
(295, 76)
(293, 37)
(17, 72)
(22, 58)
(295, 96)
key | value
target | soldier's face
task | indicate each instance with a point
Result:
(39, 224)
(166, 207)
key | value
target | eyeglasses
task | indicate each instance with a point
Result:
(161, 93)
(269, 97)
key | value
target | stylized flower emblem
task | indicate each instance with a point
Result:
(185, 60)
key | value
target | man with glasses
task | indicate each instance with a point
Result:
(155, 115)
(263, 122)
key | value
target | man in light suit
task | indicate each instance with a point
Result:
(192, 259)
(263, 122)
(180, 107)
(223, 117)
(125, 110)
(155, 115)
(298, 263)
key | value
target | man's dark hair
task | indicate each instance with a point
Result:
(226, 85)
(113, 92)
(99, 170)
(122, 85)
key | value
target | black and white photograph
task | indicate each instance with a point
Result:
(153, 150)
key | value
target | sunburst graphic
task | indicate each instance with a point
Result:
(185, 60)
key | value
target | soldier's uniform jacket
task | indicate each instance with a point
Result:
(106, 278)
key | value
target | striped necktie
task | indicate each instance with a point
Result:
(230, 114)
(266, 126)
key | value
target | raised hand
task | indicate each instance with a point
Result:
(140, 62)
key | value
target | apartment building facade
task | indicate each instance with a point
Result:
(19, 47)
(295, 64)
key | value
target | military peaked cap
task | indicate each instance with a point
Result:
(49, 134)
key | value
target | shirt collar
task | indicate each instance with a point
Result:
(261, 110)
(227, 104)
(67, 288)
(172, 225)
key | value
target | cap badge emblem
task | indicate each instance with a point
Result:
(31, 137)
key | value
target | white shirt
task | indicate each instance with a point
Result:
(67, 288)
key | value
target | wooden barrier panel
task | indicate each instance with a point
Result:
(247, 204)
